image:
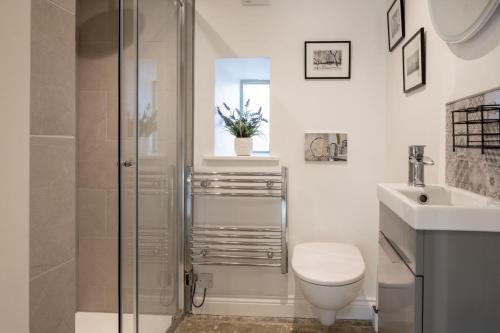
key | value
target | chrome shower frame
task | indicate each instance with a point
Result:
(186, 152)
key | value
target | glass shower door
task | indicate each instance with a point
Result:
(150, 195)
(128, 186)
(158, 165)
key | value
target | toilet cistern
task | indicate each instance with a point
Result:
(416, 163)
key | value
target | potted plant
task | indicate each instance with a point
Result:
(243, 125)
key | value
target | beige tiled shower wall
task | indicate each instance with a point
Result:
(53, 167)
(97, 155)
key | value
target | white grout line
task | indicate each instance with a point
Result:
(38, 136)
(52, 269)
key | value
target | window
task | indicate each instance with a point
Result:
(236, 81)
(257, 91)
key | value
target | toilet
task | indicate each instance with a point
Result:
(330, 276)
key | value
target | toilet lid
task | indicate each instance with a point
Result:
(328, 264)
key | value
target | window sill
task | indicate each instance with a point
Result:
(253, 158)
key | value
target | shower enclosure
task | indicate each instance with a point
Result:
(155, 146)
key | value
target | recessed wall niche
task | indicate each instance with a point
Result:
(238, 80)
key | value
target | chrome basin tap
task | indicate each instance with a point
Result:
(416, 163)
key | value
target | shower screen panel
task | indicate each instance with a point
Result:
(158, 165)
(150, 148)
(128, 169)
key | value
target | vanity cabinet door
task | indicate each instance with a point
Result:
(399, 293)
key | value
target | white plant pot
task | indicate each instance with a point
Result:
(243, 146)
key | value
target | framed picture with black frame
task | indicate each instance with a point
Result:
(414, 62)
(395, 24)
(327, 60)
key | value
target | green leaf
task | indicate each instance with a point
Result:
(242, 123)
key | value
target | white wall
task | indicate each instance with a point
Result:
(14, 167)
(453, 71)
(327, 202)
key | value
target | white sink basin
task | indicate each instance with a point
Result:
(441, 207)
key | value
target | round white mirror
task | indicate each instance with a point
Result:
(459, 20)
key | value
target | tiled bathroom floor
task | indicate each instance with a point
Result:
(226, 324)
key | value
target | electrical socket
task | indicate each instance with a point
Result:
(205, 280)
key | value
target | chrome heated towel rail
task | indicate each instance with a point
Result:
(259, 246)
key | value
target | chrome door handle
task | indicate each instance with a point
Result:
(128, 163)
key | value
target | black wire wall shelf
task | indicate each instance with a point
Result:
(477, 127)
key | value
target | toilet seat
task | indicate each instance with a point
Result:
(328, 264)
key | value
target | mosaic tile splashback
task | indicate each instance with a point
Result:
(468, 168)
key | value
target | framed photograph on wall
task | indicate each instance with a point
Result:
(328, 60)
(414, 62)
(325, 147)
(395, 24)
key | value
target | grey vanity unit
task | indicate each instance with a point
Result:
(437, 281)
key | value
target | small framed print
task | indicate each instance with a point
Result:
(325, 147)
(414, 62)
(395, 24)
(328, 60)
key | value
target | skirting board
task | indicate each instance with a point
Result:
(360, 309)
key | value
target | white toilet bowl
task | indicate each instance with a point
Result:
(330, 276)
